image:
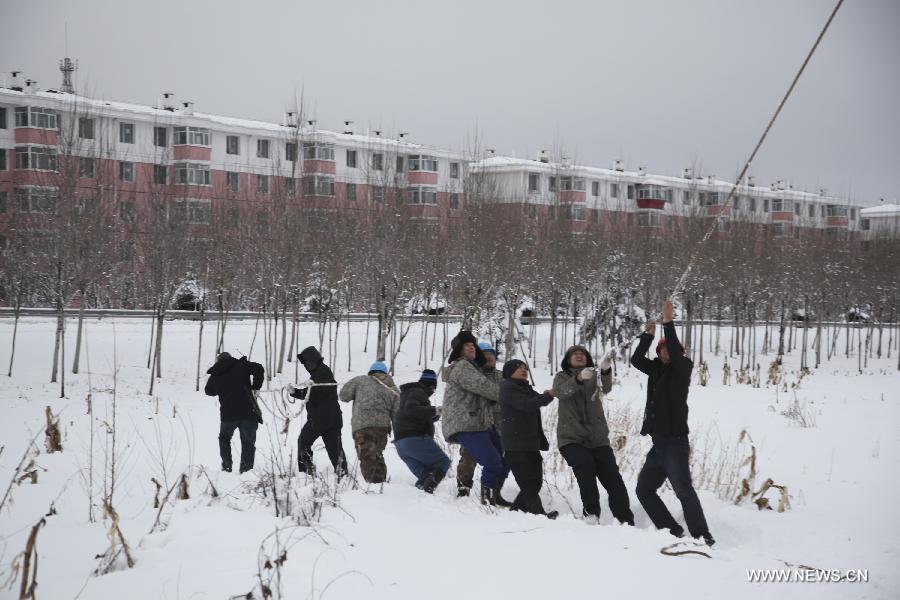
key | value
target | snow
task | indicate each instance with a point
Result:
(398, 542)
(883, 210)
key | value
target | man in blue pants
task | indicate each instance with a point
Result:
(414, 433)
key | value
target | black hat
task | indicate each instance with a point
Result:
(512, 366)
(465, 337)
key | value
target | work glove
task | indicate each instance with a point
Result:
(606, 361)
(299, 393)
(586, 374)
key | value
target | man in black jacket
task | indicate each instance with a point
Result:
(523, 435)
(230, 379)
(323, 415)
(665, 421)
(414, 433)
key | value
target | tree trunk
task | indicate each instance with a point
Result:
(12, 352)
(76, 359)
(200, 342)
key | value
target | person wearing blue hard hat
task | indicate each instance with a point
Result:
(375, 400)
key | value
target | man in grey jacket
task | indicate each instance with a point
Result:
(375, 400)
(468, 413)
(583, 434)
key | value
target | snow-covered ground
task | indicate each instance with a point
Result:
(842, 474)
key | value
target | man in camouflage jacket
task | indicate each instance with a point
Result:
(468, 413)
(375, 400)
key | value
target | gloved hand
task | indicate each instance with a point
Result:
(586, 374)
(299, 393)
(606, 361)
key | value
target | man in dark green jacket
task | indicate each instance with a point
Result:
(583, 434)
(665, 421)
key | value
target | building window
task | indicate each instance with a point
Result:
(614, 190)
(232, 180)
(87, 167)
(2, 118)
(378, 162)
(2, 159)
(752, 205)
(290, 186)
(290, 151)
(686, 198)
(836, 211)
(191, 211)
(191, 136)
(318, 185)
(534, 181)
(782, 229)
(262, 148)
(351, 158)
(232, 145)
(35, 200)
(86, 206)
(595, 188)
(551, 212)
(126, 171)
(652, 192)
(552, 185)
(421, 195)
(36, 158)
(630, 193)
(812, 211)
(595, 216)
(852, 214)
(3, 196)
(31, 116)
(160, 137)
(766, 205)
(187, 173)
(351, 192)
(782, 205)
(378, 194)
(318, 151)
(454, 200)
(418, 162)
(262, 184)
(864, 224)
(160, 174)
(572, 212)
(571, 183)
(712, 198)
(532, 211)
(454, 170)
(399, 168)
(126, 133)
(85, 128)
(648, 219)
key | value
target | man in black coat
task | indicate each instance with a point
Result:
(414, 433)
(230, 380)
(523, 435)
(665, 421)
(323, 415)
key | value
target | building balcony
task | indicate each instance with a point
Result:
(315, 165)
(781, 217)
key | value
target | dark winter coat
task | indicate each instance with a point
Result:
(416, 415)
(322, 406)
(521, 428)
(582, 419)
(666, 411)
(230, 380)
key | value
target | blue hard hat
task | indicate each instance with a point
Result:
(378, 366)
(486, 347)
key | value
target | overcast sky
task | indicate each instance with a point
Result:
(658, 83)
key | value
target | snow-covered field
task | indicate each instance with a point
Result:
(842, 474)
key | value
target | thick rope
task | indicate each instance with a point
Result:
(700, 246)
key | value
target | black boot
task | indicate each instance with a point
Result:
(552, 515)
(498, 499)
(432, 482)
(487, 496)
(462, 491)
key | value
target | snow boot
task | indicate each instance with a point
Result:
(487, 496)
(552, 515)
(677, 531)
(708, 539)
(432, 482)
(498, 499)
(462, 491)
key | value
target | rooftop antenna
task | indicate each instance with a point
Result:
(67, 66)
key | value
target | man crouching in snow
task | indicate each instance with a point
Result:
(230, 379)
(665, 421)
(414, 432)
(375, 400)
